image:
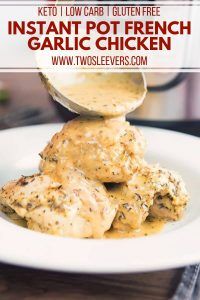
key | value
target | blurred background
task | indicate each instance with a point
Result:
(172, 102)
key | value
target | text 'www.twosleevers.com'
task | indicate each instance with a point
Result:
(106, 60)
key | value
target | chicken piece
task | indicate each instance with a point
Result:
(134, 199)
(78, 208)
(153, 190)
(170, 197)
(109, 150)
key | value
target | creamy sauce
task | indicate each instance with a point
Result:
(107, 94)
(147, 228)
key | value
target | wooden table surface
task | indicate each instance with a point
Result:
(22, 283)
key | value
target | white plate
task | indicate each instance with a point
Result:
(177, 245)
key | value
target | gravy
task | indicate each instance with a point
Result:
(109, 94)
(147, 228)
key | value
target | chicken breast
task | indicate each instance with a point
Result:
(78, 208)
(153, 190)
(109, 150)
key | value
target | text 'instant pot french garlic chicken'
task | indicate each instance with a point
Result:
(93, 180)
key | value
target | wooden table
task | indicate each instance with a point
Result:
(21, 283)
